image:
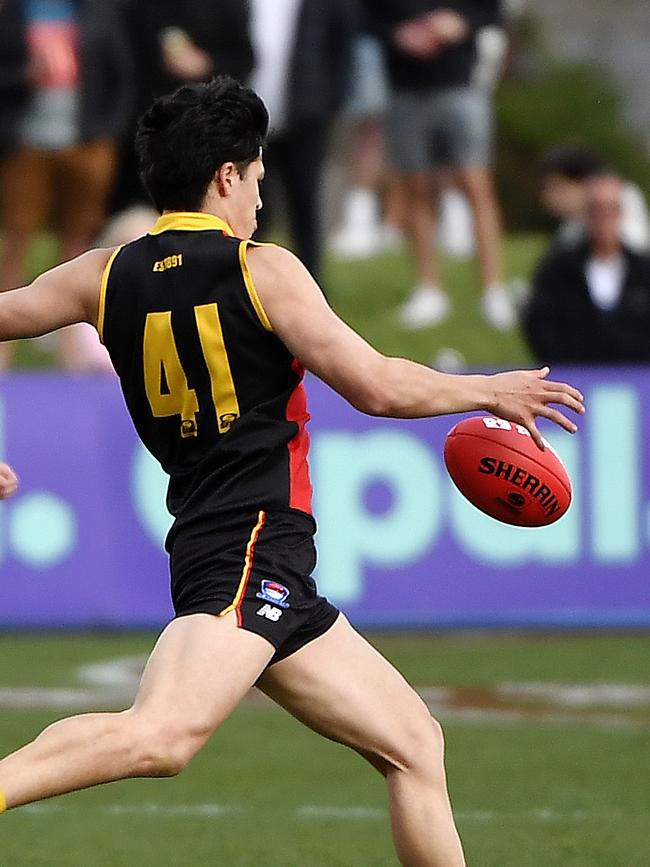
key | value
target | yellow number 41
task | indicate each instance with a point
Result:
(177, 398)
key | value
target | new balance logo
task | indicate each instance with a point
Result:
(270, 612)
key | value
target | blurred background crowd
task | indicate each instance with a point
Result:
(467, 178)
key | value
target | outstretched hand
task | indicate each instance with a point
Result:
(8, 481)
(524, 395)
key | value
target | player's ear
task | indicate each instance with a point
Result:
(224, 179)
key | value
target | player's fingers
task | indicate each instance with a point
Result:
(564, 399)
(543, 372)
(565, 388)
(532, 429)
(558, 418)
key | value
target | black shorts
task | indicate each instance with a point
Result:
(258, 565)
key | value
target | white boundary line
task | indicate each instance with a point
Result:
(316, 812)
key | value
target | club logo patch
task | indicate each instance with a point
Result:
(273, 592)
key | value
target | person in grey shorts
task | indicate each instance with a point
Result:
(441, 118)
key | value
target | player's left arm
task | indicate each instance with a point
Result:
(385, 386)
(63, 296)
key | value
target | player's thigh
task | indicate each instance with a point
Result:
(343, 688)
(200, 669)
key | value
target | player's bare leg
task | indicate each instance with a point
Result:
(344, 689)
(186, 692)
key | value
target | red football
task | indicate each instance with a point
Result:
(498, 467)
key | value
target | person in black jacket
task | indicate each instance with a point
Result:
(71, 79)
(591, 301)
(303, 51)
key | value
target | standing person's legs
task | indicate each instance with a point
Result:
(410, 137)
(26, 198)
(345, 690)
(467, 118)
(185, 694)
(477, 184)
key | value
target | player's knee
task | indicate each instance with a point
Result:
(421, 747)
(164, 750)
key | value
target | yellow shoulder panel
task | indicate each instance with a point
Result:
(250, 285)
(102, 293)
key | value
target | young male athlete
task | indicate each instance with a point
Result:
(209, 335)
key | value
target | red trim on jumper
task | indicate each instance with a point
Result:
(300, 489)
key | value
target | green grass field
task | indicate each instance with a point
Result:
(367, 294)
(560, 781)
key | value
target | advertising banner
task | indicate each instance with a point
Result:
(81, 544)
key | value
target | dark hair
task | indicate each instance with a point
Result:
(573, 162)
(184, 137)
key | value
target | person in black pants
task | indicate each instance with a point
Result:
(303, 100)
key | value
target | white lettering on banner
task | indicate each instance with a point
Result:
(41, 528)
(344, 465)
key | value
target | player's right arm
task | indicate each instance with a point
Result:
(63, 296)
(384, 386)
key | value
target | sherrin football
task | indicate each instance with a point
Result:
(498, 467)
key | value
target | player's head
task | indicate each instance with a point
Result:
(565, 171)
(200, 148)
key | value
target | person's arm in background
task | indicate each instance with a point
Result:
(391, 387)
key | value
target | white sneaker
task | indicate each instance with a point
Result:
(357, 243)
(426, 306)
(392, 238)
(498, 309)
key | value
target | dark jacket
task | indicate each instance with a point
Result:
(219, 27)
(453, 67)
(107, 71)
(105, 61)
(321, 59)
(14, 88)
(564, 326)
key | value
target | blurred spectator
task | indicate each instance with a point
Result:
(368, 225)
(440, 118)
(13, 71)
(302, 64)
(62, 154)
(457, 233)
(175, 43)
(189, 41)
(591, 300)
(565, 175)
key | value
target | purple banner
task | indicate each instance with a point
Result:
(81, 544)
